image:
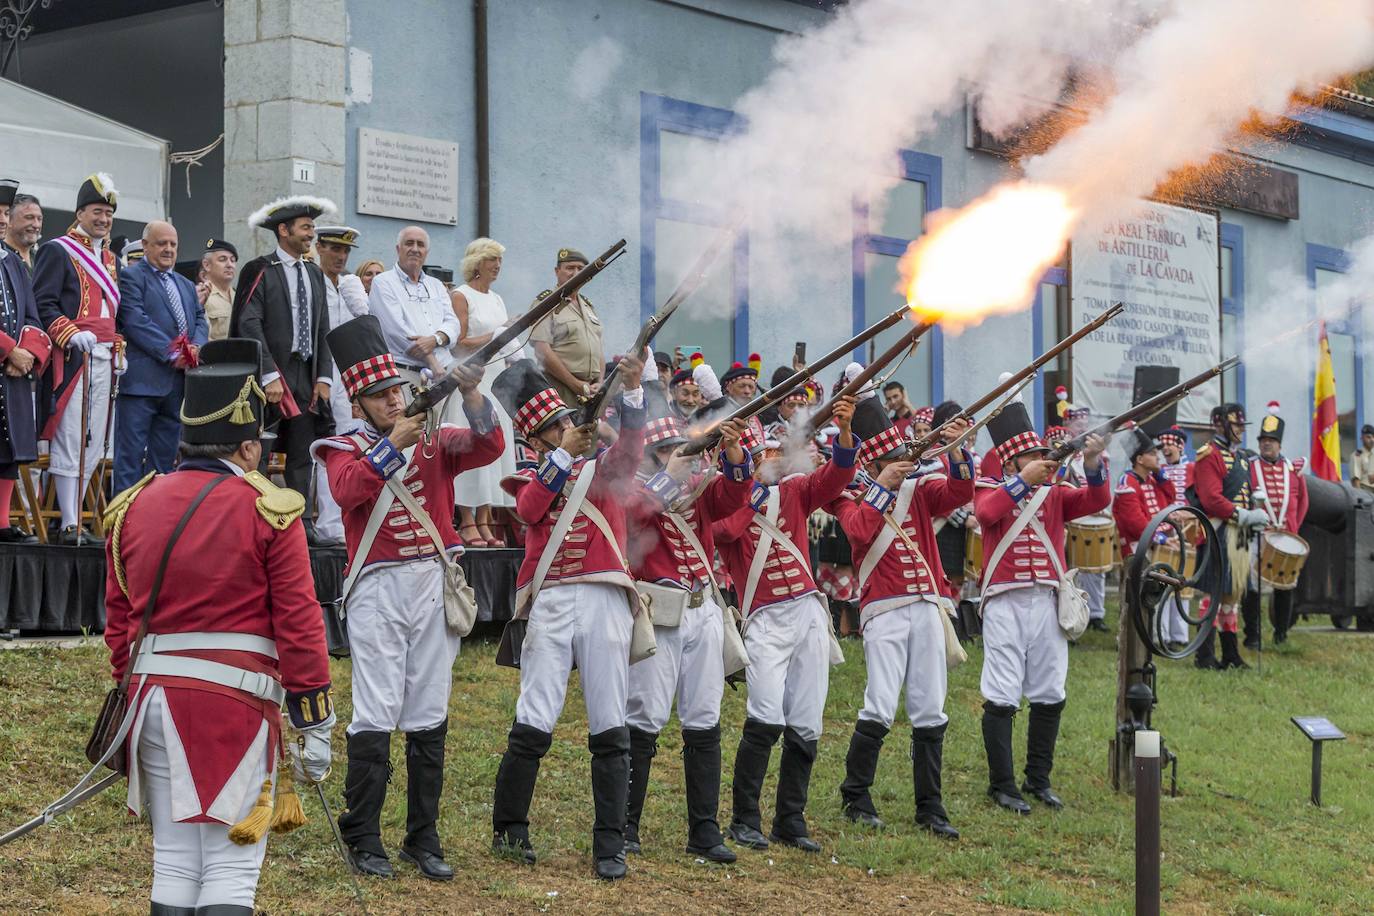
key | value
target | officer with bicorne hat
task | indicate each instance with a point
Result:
(402, 647)
(228, 643)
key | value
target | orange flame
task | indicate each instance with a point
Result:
(988, 257)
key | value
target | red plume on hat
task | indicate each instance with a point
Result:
(755, 362)
(697, 359)
(1273, 408)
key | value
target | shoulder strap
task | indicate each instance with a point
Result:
(694, 542)
(413, 506)
(900, 532)
(1012, 534)
(374, 522)
(560, 528)
(1044, 536)
(771, 532)
(161, 570)
(884, 540)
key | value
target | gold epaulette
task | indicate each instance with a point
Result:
(114, 524)
(1203, 451)
(279, 506)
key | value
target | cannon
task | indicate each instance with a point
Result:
(1338, 578)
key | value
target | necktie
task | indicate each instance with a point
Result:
(174, 297)
(302, 315)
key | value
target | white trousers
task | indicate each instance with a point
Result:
(1175, 627)
(402, 649)
(1095, 584)
(65, 449)
(584, 622)
(789, 664)
(906, 645)
(1025, 654)
(194, 865)
(688, 665)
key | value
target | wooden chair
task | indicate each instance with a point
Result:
(41, 499)
(98, 496)
(20, 517)
(276, 468)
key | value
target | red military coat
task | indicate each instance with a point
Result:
(899, 574)
(358, 466)
(1137, 501)
(235, 569)
(658, 551)
(997, 504)
(737, 536)
(1285, 490)
(584, 554)
(1219, 491)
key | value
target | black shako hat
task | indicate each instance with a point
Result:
(1013, 434)
(365, 363)
(223, 402)
(8, 188)
(879, 436)
(1138, 442)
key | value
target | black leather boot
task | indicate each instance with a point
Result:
(424, 786)
(610, 785)
(1250, 618)
(223, 909)
(997, 722)
(1230, 652)
(701, 768)
(643, 747)
(927, 764)
(751, 766)
(794, 784)
(1281, 614)
(515, 778)
(369, 770)
(860, 768)
(1041, 737)
(1206, 655)
(163, 909)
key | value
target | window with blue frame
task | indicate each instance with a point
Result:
(1344, 321)
(1233, 310)
(681, 216)
(882, 232)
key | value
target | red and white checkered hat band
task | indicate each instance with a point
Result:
(359, 377)
(924, 415)
(537, 410)
(751, 440)
(1173, 439)
(877, 446)
(661, 430)
(1021, 442)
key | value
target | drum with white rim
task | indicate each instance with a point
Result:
(1090, 544)
(1282, 555)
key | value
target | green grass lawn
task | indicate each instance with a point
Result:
(1241, 837)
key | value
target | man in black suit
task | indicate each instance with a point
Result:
(280, 302)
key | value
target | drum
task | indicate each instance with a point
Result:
(1163, 553)
(1091, 543)
(973, 555)
(1282, 555)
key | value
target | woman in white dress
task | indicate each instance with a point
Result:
(481, 314)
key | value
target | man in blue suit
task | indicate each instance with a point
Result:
(164, 326)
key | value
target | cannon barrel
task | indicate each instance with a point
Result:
(1330, 502)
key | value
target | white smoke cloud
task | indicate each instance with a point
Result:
(594, 67)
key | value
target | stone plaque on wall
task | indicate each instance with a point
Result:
(407, 177)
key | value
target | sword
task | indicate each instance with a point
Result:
(338, 835)
(62, 805)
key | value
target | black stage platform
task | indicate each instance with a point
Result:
(49, 589)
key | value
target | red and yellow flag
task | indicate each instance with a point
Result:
(1326, 436)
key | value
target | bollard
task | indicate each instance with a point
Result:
(1147, 783)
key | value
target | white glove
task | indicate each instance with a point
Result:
(84, 341)
(310, 752)
(120, 363)
(1251, 518)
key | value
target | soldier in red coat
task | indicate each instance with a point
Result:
(1142, 492)
(1025, 652)
(576, 592)
(401, 645)
(1222, 488)
(228, 642)
(671, 551)
(901, 583)
(787, 634)
(1281, 492)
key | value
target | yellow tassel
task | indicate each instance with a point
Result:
(243, 413)
(253, 828)
(287, 813)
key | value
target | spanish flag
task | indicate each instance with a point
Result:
(1326, 436)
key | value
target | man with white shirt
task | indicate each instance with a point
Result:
(76, 286)
(418, 322)
(280, 302)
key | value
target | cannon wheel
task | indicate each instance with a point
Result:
(1154, 587)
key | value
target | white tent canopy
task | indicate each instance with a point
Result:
(50, 146)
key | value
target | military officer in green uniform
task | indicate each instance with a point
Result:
(568, 341)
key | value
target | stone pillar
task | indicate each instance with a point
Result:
(283, 101)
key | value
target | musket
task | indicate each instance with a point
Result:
(596, 406)
(703, 441)
(1007, 389)
(62, 805)
(343, 847)
(909, 341)
(434, 395)
(1143, 411)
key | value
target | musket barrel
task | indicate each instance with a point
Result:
(907, 341)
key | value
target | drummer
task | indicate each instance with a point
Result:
(1077, 421)
(1281, 491)
(1173, 443)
